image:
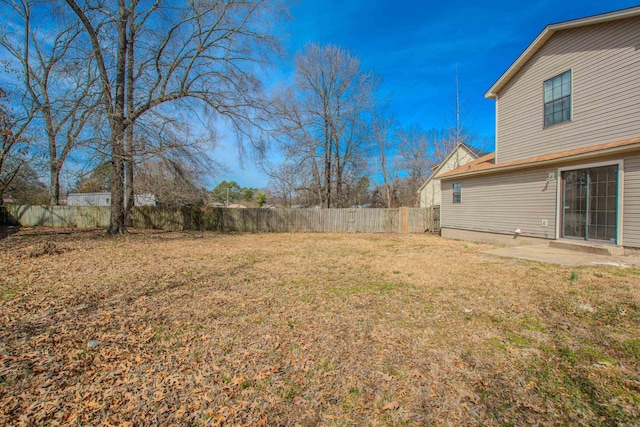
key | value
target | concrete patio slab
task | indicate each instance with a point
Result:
(545, 253)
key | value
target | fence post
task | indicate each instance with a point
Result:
(403, 220)
(406, 220)
(351, 226)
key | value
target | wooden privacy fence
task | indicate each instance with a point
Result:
(400, 220)
(433, 219)
(55, 216)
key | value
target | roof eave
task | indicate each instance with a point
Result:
(436, 171)
(580, 156)
(546, 34)
(425, 184)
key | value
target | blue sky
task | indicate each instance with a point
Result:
(415, 46)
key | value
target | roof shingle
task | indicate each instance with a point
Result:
(486, 163)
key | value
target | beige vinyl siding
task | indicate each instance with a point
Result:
(605, 64)
(503, 202)
(631, 210)
(630, 193)
(430, 193)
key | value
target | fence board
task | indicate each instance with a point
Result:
(432, 219)
(401, 220)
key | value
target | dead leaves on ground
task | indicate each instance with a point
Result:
(208, 329)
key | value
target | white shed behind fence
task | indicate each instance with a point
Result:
(147, 199)
(104, 199)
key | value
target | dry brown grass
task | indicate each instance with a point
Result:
(285, 329)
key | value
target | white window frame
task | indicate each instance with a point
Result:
(544, 125)
(459, 193)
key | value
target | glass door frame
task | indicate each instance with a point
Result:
(582, 200)
(619, 196)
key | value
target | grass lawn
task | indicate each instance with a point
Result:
(309, 329)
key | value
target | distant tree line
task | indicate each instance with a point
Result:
(231, 192)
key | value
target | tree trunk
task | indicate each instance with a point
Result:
(385, 173)
(117, 223)
(130, 198)
(327, 163)
(54, 167)
(327, 182)
(55, 184)
(338, 167)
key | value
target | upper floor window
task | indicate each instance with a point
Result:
(457, 192)
(557, 99)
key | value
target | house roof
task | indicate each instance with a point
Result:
(474, 152)
(546, 34)
(486, 165)
(481, 163)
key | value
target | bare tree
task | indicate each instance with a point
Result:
(58, 85)
(382, 124)
(130, 149)
(164, 137)
(415, 149)
(323, 119)
(301, 173)
(25, 188)
(204, 51)
(12, 144)
(172, 183)
(286, 181)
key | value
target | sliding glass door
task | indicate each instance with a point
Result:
(574, 218)
(590, 203)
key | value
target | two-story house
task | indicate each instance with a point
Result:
(567, 159)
